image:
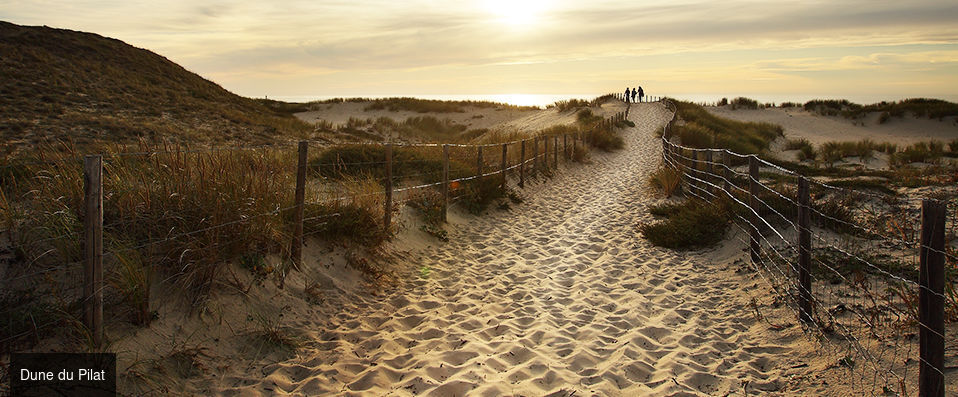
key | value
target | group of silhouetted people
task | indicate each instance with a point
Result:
(635, 91)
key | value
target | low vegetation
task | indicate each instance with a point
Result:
(435, 106)
(744, 103)
(103, 91)
(703, 129)
(688, 225)
(917, 107)
(666, 179)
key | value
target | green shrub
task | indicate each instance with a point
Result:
(691, 224)
(920, 152)
(744, 103)
(479, 193)
(606, 140)
(830, 153)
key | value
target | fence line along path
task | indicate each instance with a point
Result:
(556, 295)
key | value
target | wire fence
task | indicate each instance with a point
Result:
(174, 217)
(851, 264)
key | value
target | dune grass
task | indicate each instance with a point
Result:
(690, 224)
(746, 138)
(106, 91)
(744, 103)
(666, 179)
(917, 107)
(436, 106)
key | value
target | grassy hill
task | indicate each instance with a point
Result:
(65, 85)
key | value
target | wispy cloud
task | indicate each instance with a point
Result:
(237, 41)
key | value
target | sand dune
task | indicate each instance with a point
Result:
(495, 119)
(820, 129)
(558, 296)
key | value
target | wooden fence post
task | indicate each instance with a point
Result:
(387, 217)
(479, 162)
(753, 204)
(709, 170)
(574, 145)
(502, 168)
(296, 250)
(555, 152)
(545, 153)
(565, 146)
(535, 153)
(522, 163)
(804, 253)
(727, 172)
(931, 302)
(93, 264)
(445, 181)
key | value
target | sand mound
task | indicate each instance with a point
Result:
(820, 129)
(557, 296)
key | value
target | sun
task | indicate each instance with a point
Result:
(515, 13)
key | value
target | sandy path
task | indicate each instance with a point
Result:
(558, 296)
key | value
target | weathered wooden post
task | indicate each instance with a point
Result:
(574, 145)
(565, 146)
(522, 163)
(753, 204)
(479, 162)
(555, 152)
(931, 302)
(502, 168)
(804, 253)
(535, 153)
(387, 217)
(445, 181)
(296, 250)
(709, 171)
(727, 172)
(545, 153)
(93, 247)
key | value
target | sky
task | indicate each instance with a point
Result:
(802, 49)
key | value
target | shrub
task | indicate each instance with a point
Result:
(667, 179)
(479, 193)
(830, 153)
(570, 104)
(920, 152)
(586, 117)
(691, 224)
(580, 154)
(887, 148)
(606, 139)
(796, 144)
(744, 103)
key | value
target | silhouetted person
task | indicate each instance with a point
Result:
(626, 97)
(641, 93)
(633, 94)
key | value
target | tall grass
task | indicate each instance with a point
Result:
(666, 179)
(570, 104)
(805, 149)
(747, 138)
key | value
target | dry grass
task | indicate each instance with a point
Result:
(666, 179)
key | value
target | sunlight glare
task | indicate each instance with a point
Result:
(515, 12)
